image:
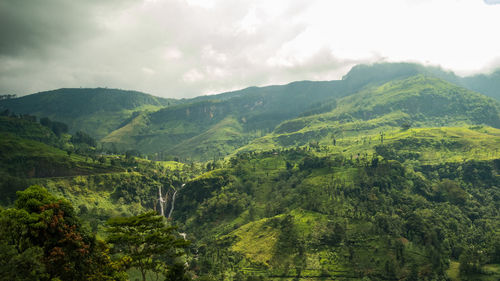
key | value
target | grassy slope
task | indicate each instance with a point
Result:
(24, 159)
(253, 232)
(218, 141)
(355, 124)
(252, 113)
(27, 129)
(111, 186)
(259, 110)
(421, 101)
(95, 111)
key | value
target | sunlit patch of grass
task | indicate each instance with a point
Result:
(256, 241)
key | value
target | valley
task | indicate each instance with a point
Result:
(391, 173)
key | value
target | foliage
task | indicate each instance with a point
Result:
(331, 214)
(390, 173)
(96, 111)
(43, 240)
(148, 244)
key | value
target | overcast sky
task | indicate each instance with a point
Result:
(185, 48)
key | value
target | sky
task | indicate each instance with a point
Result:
(186, 48)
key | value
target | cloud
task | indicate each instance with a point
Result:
(35, 26)
(184, 48)
(492, 2)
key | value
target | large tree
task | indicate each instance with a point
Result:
(147, 243)
(42, 239)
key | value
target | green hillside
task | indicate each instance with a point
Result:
(392, 173)
(95, 111)
(488, 84)
(133, 120)
(200, 124)
(304, 214)
(418, 101)
(96, 184)
(389, 183)
(196, 129)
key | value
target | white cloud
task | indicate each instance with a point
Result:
(201, 3)
(193, 75)
(190, 47)
(249, 23)
(172, 53)
(148, 71)
(492, 2)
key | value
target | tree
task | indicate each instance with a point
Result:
(44, 121)
(470, 261)
(131, 153)
(53, 225)
(19, 259)
(177, 272)
(405, 125)
(83, 138)
(59, 128)
(147, 242)
(42, 239)
(334, 234)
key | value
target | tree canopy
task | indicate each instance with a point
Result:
(147, 243)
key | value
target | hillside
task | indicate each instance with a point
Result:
(308, 213)
(488, 84)
(392, 173)
(200, 124)
(95, 111)
(197, 129)
(414, 205)
(389, 183)
(97, 184)
(29, 150)
(417, 101)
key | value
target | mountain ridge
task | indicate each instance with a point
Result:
(156, 125)
(96, 111)
(440, 102)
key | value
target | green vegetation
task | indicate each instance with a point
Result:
(149, 244)
(96, 111)
(208, 130)
(42, 239)
(342, 218)
(209, 127)
(392, 173)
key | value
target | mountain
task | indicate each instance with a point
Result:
(488, 84)
(391, 173)
(209, 127)
(381, 184)
(95, 111)
(29, 150)
(200, 124)
(345, 212)
(296, 113)
(196, 129)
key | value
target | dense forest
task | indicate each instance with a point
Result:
(392, 173)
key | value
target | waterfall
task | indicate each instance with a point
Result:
(162, 202)
(173, 201)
